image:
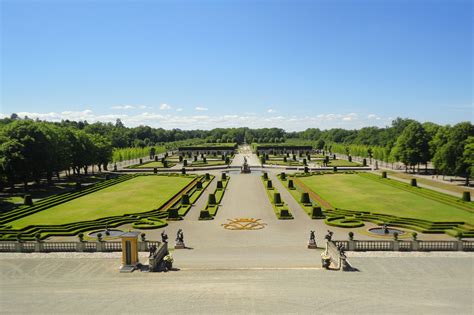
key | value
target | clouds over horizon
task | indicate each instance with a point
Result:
(202, 121)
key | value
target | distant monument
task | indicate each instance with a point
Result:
(312, 241)
(179, 240)
(245, 168)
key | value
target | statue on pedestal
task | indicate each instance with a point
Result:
(164, 237)
(179, 240)
(312, 240)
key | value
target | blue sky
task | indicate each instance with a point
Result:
(206, 64)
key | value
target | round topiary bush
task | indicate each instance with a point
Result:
(276, 198)
(211, 199)
(27, 200)
(413, 182)
(219, 184)
(466, 196)
(384, 174)
(290, 184)
(305, 198)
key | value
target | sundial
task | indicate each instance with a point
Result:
(244, 224)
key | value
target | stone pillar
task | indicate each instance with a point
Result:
(395, 246)
(80, 246)
(38, 247)
(19, 247)
(100, 246)
(351, 245)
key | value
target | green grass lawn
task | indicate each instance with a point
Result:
(153, 164)
(355, 192)
(140, 194)
(207, 163)
(342, 163)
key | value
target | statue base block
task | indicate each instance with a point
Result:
(179, 246)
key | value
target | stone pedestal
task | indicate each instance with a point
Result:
(179, 245)
(312, 244)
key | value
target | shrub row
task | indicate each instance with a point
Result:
(279, 206)
(214, 199)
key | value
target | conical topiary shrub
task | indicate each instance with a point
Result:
(305, 198)
(277, 198)
(290, 184)
(211, 199)
(269, 184)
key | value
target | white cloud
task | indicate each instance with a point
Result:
(201, 109)
(123, 107)
(172, 119)
(165, 107)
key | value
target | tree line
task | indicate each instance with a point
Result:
(33, 149)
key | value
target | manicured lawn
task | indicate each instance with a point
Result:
(343, 163)
(208, 163)
(140, 194)
(355, 192)
(153, 164)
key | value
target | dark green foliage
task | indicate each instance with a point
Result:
(27, 200)
(277, 198)
(305, 198)
(351, 235)
(413, 182)
(466, 196)
(317, 213)
(211, 199)
(290, 184)
(269, 184)
(185, 199)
